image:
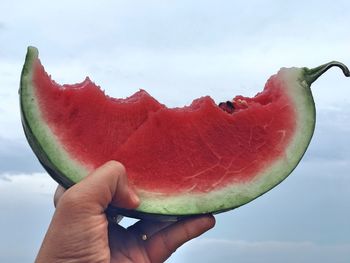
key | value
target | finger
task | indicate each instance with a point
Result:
(124, 246)
(58, 194)
(106, 184)
(144, 229)
(161, 245)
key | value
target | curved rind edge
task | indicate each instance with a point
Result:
(160, 209)
(33, 140)
(232, 197)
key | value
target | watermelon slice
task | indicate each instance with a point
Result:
(202, 158)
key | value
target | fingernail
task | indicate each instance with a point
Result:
(134, 197)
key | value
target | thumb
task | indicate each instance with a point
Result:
(107, 184)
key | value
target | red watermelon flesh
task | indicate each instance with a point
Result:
(196, 148)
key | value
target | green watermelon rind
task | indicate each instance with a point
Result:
(51, 154)
(67, 170)
(231, 197)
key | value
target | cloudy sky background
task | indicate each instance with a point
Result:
(178, 51)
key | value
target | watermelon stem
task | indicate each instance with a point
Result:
(313, 74)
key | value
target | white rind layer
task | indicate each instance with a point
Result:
(43, 136)
(46, 144)
(236, 195)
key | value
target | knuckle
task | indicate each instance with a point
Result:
(167, 243)
(70, 200)
(116, 166)
(187, 231)
(207, 222)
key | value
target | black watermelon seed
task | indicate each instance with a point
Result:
(227, 106)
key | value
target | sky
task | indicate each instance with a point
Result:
(178, 51)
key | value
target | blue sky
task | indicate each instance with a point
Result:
(178, 51)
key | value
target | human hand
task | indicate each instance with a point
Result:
(79, 230)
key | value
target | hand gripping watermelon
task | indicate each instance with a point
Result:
(202, 158)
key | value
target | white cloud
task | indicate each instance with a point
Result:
(26, 204)
(331, 137)
(14, 187)
(311, 204)
(9, 106)
(26, 208)
(306, 207)
(220, 250)
(16, 156)
(178, 51)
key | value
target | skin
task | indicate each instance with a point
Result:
(80, 232)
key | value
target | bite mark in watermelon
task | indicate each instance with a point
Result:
(202, 158)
